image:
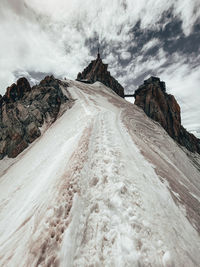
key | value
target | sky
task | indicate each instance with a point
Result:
(137, 38)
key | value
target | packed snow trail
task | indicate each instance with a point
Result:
(111, 227)
(86, 194)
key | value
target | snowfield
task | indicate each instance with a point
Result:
(103, 186)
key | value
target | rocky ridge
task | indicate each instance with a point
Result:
(163, 108)
(97, 71)
(23, 110)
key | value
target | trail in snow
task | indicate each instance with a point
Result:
(113, 231)
(118, 227)
(90, 196)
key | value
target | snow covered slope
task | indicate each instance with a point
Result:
(103, 186)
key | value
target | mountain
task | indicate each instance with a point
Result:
(162, 107)
(97, 71)
(23, 110)
(102, 185)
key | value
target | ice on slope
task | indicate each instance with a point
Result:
(89, 193)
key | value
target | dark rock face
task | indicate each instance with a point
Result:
(162, 107)
(16, 91)
(23, 110)
(97, 71)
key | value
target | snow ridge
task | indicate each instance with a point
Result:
(97, 201)
(111, 226)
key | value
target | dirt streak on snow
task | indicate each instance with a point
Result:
(103, 186)
(30, 193)
(170, 162)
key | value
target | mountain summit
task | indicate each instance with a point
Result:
(163, 108)
(99, 183)
(97, 71)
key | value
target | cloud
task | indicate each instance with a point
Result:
(149, 45)
(125, 55)
(28, 44)
(189, 12)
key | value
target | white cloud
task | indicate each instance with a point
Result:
(189, 12)
(152, 43)
(125, 55)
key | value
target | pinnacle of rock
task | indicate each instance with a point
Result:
(152, 97)
(97, 71)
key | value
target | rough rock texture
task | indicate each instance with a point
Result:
(16, 91)
(23, 110)
(163, 107)
(97, 71)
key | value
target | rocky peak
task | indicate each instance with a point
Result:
(17, 91)
(163, 107)
(156, 81)
(23, 110)
(97, 71)
(49, 81)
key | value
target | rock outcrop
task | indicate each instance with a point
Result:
(97, 71)
(17, 91)
(163, 108)
(23, 110)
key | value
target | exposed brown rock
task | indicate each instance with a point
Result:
(163, 107)
(17, 91)
(15, 149)
(32, 132)
(11, 93)
(97, 71)
(23, 86)
(24, 109)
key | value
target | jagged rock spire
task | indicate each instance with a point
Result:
(23, 110)
(97, 71)
(162, 107)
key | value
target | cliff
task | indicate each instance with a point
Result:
(163, 108)
(97, 71)
(23, 110)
